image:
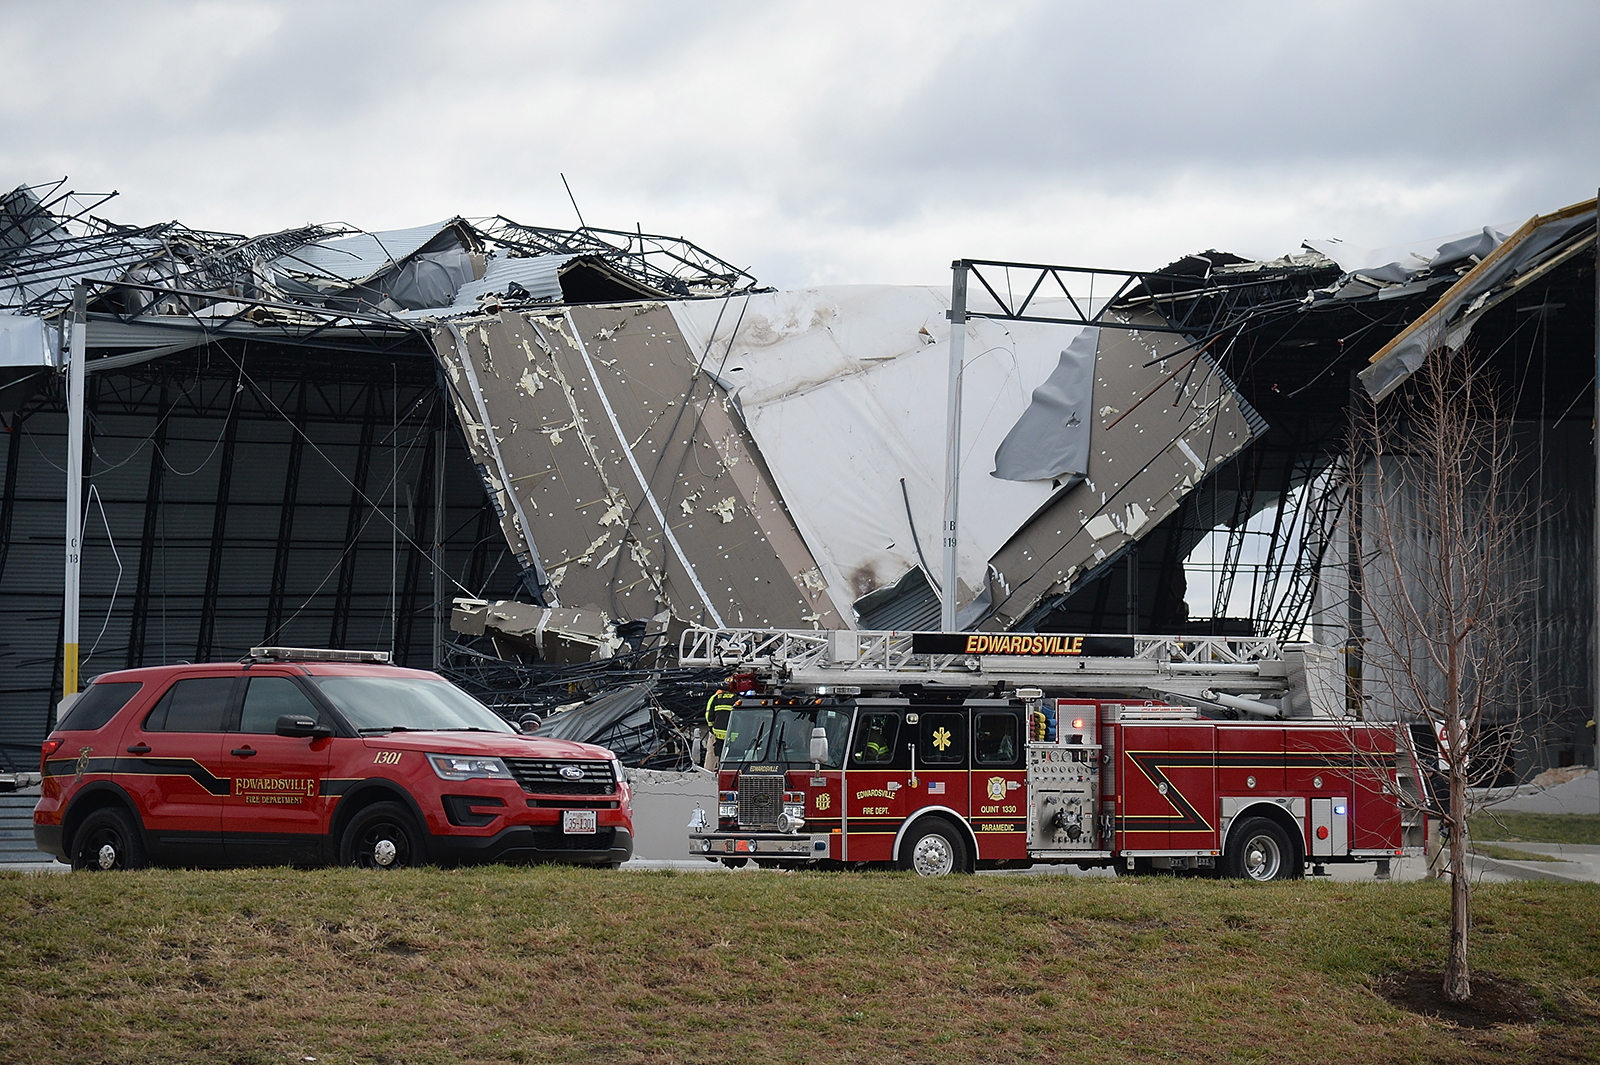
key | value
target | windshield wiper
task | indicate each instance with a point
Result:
(753, 752)
(779, 754)
(391, 728)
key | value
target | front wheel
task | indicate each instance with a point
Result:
(933, 848)
(108, 839)
(381, 836)
(1260, 850)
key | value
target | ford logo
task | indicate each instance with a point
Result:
(572, 772)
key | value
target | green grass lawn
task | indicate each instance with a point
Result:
(551, 964)
(1511, 827)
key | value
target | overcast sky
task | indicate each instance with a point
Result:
(822, 142)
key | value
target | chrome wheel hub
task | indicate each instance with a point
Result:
(933, 857)
(1261, 858)
(384, 852)
(107, 858)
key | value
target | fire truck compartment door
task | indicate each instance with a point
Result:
(1330, 827)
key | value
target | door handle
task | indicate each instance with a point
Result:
(244, 752)
(893, 785)
(139, 748)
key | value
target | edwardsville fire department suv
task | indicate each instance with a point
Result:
(309, 757)
(944, 753)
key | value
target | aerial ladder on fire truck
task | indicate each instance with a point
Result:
(1252, 675)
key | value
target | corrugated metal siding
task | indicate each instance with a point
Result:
(126, 408)
(540, 275)
(1547, 691)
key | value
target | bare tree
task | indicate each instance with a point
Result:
(1444, 543)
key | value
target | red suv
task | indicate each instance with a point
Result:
(310, 757)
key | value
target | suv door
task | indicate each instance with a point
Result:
(275, 811)
(171, 766)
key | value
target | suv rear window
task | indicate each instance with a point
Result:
(98, 705)
(193, 705)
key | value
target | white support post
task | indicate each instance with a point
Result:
(952, 457)
(69, 620)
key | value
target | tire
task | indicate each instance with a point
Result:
(934, 848)
(1260, 850)
(382, 836)
(108, 839)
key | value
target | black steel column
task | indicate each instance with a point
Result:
(219, 527)
(1102, 599)
(408, 603)
(138, 623)
(352, 530)
(437, 548)
(1133, 587)
(1165, 612)
(487, 526)
(291, 492)
(8, 502)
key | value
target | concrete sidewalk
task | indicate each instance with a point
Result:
(1575, 863)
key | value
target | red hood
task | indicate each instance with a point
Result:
(489, 744)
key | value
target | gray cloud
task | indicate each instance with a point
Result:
(822, 141)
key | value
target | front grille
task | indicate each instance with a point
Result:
(760, 800)
(543, 776)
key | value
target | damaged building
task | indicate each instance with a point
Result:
(594, 438)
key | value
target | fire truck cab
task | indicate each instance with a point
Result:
(913, 767)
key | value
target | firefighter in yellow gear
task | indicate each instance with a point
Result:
(718, 709)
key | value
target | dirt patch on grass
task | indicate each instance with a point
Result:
(1494, 1001)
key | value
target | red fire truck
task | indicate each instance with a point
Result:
(892, 748)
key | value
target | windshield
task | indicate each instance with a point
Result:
(389, 704)
(782, 736)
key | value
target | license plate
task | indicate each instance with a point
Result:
(578, 822)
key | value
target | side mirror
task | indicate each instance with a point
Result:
(819, 745)
(298, 725)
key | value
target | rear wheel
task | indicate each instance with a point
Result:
(108, 839)
(1260, 850)
(933, 848)
(381, 836)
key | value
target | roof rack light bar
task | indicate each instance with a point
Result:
(318, 654)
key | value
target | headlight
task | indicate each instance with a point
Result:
(618, 772)
(464, 767)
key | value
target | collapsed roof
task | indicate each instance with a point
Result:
(156, 290)
(659, 433)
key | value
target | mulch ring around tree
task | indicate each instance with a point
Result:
(1493, 1002)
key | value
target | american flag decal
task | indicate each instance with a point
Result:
(936, 787)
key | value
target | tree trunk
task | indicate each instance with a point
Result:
(1457, 980)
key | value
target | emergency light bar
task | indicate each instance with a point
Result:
(318, 654)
